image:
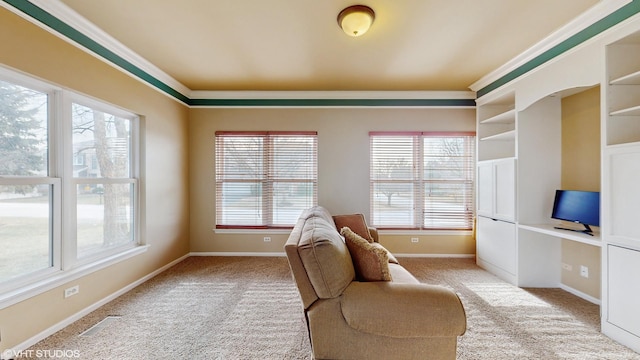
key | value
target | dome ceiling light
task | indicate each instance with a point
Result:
(356, 20)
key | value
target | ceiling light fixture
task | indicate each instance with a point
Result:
(356, 20)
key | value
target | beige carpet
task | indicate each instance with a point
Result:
(248, 308)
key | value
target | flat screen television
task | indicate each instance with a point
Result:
(580, 207)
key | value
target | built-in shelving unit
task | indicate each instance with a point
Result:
(523, 184)
(621, 194)
(623, 91)
(522, 121)
(497, 128)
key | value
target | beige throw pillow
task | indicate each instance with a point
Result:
(392, 258)
(370, 262)
(356, 223)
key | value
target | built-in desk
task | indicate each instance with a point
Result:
(549, 229)
(539, 254)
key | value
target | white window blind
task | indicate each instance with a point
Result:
(264, 179)
(422, 180)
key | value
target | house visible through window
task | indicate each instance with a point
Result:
(422, 180)
(264, 179)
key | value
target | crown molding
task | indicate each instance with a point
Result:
(332, 95)
(582, 22)
(70, 17)
(335, 99)
(62, 21)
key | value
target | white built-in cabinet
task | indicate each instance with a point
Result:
(621, 192)
(496, 248)
(496, 235)
(497, 189)
(519, 154)
(517, 178)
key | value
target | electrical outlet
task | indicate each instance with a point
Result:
(71, 291)
(584, 271)
(414, 240)
(567, 267)
(267, 239)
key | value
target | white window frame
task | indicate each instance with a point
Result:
(417, 181)
(266, 180)
(65, 265)
(70, 183)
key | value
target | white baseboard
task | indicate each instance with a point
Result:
(235, 253)
(77, 316)
(457, 256)
(282, 254)
(579, 294)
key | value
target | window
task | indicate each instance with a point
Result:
(26, 189)
(49, 141)
(422, 180)
(264, 179)
(104, 195)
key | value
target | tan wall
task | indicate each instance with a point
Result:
(164, 192)
(343, 165)
(581, 171)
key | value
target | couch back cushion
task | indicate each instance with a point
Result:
(325, 257)
(317, 211)
(318, 257)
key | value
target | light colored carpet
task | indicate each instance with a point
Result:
(248, 308)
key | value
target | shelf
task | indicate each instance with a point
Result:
(507, 117)
(622, 146)
(549, 229)
(629, 79)
(504, 136)
(631, 111)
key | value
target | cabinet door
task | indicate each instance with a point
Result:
(505, 189)
(624, 197)
(496, 243)
(624, 289)
(486, 189)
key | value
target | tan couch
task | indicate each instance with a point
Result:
(349, 319)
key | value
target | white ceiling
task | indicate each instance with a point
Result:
(297, 44)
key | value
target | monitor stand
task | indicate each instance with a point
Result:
(587, 229)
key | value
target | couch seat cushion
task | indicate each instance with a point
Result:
(401, 275)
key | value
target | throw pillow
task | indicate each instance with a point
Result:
(370, 262)
(392, 258)
(355, 222)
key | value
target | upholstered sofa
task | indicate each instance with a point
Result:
(350, 316)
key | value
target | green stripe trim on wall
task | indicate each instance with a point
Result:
(333, 102)
(594, 29)
(54, 23)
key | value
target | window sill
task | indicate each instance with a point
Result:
(61, 277)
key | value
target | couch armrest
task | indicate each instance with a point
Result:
(374, 233)
(403, 310)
